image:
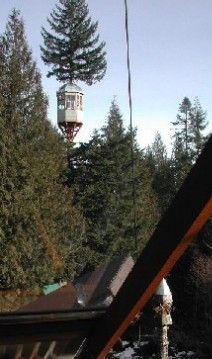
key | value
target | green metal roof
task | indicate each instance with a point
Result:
(70, 88)
(51, 288)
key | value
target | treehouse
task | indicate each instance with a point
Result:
(70, 110)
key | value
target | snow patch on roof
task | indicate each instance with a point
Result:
(70, 88)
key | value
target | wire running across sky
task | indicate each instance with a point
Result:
(131, 122)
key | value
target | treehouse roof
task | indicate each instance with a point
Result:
(70, 88)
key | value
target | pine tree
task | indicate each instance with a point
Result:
(198, 124)
(4, 197)
(73, 49)
(117, 146)
(179, 163)
(34, 229)
(181, 151)
(159, 150)
(189, 279)
(188, 138)
(161, 172)
(89, 175)
(102, 177)
(182, 124)
(20, 77)
(19, 87)
(12, 174)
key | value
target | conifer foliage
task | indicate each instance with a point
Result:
(40, 231)
(182, 124)
(73, 49)
(55, 218)
(189, 279)
(189, 138)
(189, 128)
(161, 172)
(100, 173)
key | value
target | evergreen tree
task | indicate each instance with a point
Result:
(20, 78)
(159, 150)
(135, 208)
(189, 279)
(4, 180)
(182, 124)
(101, 174)
(161, 172)
(198, 124)
(181, 151)
(117, 146)
(38, 237)
(19, 87)
(188, 138)
(73, 49)
(88, 174)
(180, 164)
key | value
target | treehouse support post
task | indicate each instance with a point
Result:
(162, 309)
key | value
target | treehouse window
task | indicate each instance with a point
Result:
(80, 106)
(70, 102)
(61, 102)
(78, 102)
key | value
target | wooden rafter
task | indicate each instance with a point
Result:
(183, 220)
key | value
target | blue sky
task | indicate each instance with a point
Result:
(171, 52)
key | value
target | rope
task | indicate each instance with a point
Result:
(131, 124)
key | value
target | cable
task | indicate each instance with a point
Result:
(131, 122)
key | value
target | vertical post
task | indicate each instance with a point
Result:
(162, 308)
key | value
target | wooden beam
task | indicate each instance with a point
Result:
(16, 328)
(183, 220)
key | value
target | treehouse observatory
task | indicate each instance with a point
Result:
(70, 110)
